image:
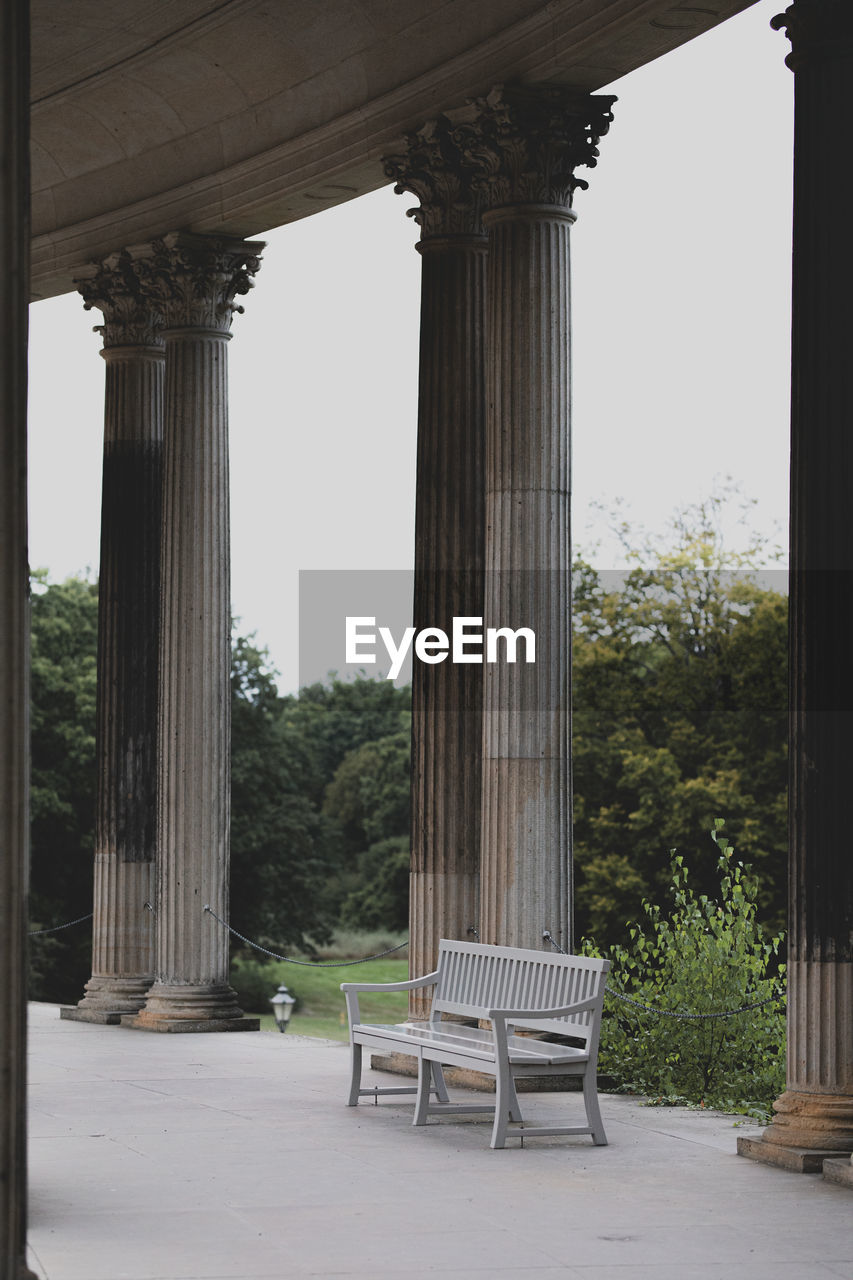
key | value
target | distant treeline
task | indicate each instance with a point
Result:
(679, 717)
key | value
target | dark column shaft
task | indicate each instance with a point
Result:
(449, 527)
(14, 635)
(816, 1111)
(449, 543)
(821, 631)
(129, 603)
(128, 641)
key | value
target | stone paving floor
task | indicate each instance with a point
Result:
(233, 1157)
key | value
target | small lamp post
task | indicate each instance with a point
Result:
(282, 1006)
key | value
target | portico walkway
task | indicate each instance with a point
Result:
(171, 1157)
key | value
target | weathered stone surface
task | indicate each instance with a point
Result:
(794, 1159)
(128, 642)
(525, 146)
(839, 1171)
(812, 1120)
(194, 281)
(449, 546)
(99, 1017)
(820, 1027)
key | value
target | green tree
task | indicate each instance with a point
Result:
(62, 790)
(380, 896)
(326, 721)
(282, 848)
(369, 793)
(369, 798)
(680, 707)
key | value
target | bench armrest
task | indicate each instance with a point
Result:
(509, 1015)
(351, 990)
(501, 1017)
(411, 985)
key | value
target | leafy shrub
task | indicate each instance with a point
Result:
(705, 957)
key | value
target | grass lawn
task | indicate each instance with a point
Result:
(321, 1010)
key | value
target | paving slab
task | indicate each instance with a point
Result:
(235, 1158)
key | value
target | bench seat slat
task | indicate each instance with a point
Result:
(475, 1041)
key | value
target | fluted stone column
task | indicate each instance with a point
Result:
(526, 146)
(449, 540)
(128, 638)
(193, 281)
(14, 636)
(814, 1116)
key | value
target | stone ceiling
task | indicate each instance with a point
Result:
(242, 115)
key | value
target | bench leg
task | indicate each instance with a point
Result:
(593, 1114)
(440, 1086)
(355, 1081)
(514, 1108)
(422, 1100)
(506, 1108)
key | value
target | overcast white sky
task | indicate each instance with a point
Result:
(681, 324)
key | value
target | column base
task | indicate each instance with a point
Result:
(191, 1008)
(78, 1013)
(192, 1025)
(839, 1171)
(807, 1129)
(812, 1120)
(794, 1159)
(107, 998)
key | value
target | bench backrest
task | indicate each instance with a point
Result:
(475, 978)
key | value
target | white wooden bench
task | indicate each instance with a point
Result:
(508, 988)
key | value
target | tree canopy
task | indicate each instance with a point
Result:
(62, 783)
(679, 717)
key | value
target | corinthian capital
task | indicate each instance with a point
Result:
(129, 318)
(817, 29)
(194, 280)
(434, 169)
(527, 141)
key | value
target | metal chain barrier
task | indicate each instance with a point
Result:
(33, 933)
(346, 964)
(309, 964)
(671, 1013)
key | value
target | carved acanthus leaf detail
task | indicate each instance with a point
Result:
(527, 142)
(434, 169)
(194, 280)
(113, 286)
